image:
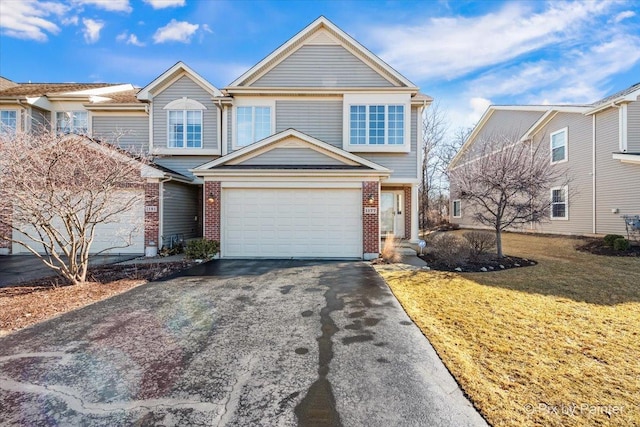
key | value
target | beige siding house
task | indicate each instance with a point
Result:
(597, 144)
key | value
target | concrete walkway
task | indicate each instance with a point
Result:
(238, 343)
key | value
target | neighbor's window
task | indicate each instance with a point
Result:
(8, 120)
(185, 129)
(376, 124)
(559, 146)
(559, 207)
(252, 124)
(72, 122)
(457, 212)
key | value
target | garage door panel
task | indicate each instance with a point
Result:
(302, 222)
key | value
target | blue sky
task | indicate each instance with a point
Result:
(466, 54)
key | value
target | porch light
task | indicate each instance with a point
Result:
(371, 198)
(211, 199)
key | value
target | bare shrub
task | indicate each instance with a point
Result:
(480, 242)
(449, 249)
(390, 251)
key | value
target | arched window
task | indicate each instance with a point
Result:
(184, 123)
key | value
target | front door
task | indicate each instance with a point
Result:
(392, 213)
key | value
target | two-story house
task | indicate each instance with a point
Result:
(313, 152)
(598, 145)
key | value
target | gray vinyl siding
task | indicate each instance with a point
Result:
(322, 66)
(616, 182)
(403, 165)
(130, 133)
(40, 119)
(230, 130)
(633, 127)
(288, 156)
(182, 164)
(319, 119)
(185, 87)
(181, 211)
(578, 167)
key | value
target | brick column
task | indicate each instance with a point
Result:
(212, 210)
(6, 214)
(370, 221)
(407, 212)
(151, 215)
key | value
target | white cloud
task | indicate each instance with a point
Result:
(624, 15)
(91, 30)
(478, 107)
(30, 19)
(129, 39)
(450, 47)
(176, 31)
(71, 20)
(162, 4)
(108, 5)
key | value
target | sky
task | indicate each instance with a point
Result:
(465, 54)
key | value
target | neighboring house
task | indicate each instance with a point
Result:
(313, 152)
(599, 146)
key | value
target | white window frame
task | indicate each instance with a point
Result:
(184, 133)
(3, 127)
(453, 208)
(72, 128)
(380, 99)
(251, 102)
(565, 190)
(566, 146)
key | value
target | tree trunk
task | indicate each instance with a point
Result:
(499, 242)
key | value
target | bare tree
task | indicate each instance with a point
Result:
(506, 183)
(58, 189)
(434, 130)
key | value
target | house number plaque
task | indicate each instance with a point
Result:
(151, 209)
(370, 210)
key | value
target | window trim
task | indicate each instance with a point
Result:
(251, 102)
(379, 99)
(72, 129)
(564, 130)
(453, 208)
(565, 189)
(184, 136)
(17, 119)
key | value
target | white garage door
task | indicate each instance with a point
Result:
(292, 223)
(124, 236)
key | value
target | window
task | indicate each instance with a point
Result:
(72, 122)
(376, 124)
(252, 124)
(559, 207)
(185, 129)
(8, 120)
(457, 212)
(559, 146)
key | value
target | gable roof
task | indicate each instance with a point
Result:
(297, 41)
(44, 89)
(176, 70)
(626, 95)
(345, 160)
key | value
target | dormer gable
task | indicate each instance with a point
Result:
(174, 73)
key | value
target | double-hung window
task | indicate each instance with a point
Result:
(72, 122)
(457, 209)
(253, 123)
(559, 146)
(8, 121)
(376, 124)
(559, 203)
(185, 129)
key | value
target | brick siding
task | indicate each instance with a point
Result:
(151, 219)
(370, 222)
(212, 210)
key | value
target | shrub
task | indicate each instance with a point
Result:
(202, 249)
(390, 250)
(610, 238)
(480, 242)
(449, 249)
(621, 244)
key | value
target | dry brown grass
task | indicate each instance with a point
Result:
(557, 344)
(390, 251)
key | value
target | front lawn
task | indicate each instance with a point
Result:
(557, 344)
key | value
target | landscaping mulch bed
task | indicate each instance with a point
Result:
(597, 247)
(36, 300)
(485, 264)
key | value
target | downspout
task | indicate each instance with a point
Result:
(593, 173)
(23, 120)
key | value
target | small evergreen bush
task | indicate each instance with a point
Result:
(610, 238)
(202, 249)
(621, 244)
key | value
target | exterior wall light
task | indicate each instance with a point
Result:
(211, 199)
(371, 198)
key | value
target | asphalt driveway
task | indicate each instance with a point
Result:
(272, 343)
